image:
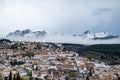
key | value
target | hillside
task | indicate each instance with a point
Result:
(109, 53)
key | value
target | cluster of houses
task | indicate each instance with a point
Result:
(50, 62)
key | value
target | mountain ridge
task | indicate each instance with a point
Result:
(43, 36)
(26, 33)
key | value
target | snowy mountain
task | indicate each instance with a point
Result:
(19, 33)
(103, 34)
(86, 38)
(26, 33)
(88, 35)
(100, 35)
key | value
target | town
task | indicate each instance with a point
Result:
(49, 61)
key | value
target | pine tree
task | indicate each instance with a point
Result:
(90, 71)
(10, 76)
(87, 78)
(18, 76)
(14, 78)
(6, 78)
(30, 75)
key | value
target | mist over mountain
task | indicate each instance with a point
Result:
(27, 33)
(86, 38)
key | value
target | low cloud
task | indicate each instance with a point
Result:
(67, 39)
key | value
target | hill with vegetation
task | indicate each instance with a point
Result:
(109, 53)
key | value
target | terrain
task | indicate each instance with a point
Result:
(108, 53)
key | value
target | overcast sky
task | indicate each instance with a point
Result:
(65, 16)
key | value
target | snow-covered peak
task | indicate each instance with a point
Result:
(99, 35)
(26, 33)
(87, 32)
(88, 35)
(103, 34)
(36, 34)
